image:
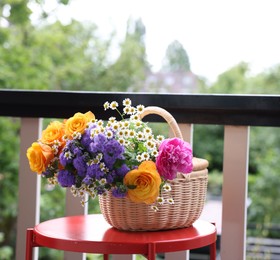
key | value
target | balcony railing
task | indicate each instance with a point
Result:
(235, 112)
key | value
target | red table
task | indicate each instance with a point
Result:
(92, 234)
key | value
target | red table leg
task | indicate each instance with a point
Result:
(213, 251)
(213, 248)
(152, 251)
(29, 244)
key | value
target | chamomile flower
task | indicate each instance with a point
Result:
(147, 130)
(139, 158)
(102, 166)
(126, 110)
(96, 160)
(94, 132)
(140, 136)
(68, 155)
(154, 208)
(127, 102)
(134, 117)
(131, 133)
(77, 135)
(160, 138)
(166, 187)
(92, 194)
(114, 105)
(56, 143)
(138, 123)
(83, 202)
(170, 201)
(126, 124)
(81, 193)
(90, 162)
(106, 105)
(55, 149)
(115, 126)
(121, 141)
(145, 156)
(121, 133)
(74, 191)
(140, 108)
(126, 133)
(102, 181)
(154, 153)
(132, 110)
(109, 134)
(150, 144)
(160, 200)
(112, 119)
(99, 156)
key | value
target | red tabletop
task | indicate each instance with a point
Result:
(92, 234)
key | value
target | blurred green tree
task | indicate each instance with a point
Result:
(176, 58)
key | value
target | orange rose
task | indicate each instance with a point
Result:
(39, 156)
(78, 123)
(146, 181)
(54, 131)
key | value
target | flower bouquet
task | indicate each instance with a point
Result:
(144, 182)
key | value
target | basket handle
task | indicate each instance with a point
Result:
(167, 117)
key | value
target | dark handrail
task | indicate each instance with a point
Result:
(254, 110)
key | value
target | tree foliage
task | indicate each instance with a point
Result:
(9, 143)
(128, 71)
(176, 58)
(66, 57)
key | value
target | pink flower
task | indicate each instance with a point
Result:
(175, 155)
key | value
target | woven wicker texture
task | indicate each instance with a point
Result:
(188, 192)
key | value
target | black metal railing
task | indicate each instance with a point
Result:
(253, 110)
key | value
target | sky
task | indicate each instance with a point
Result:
(217, 34)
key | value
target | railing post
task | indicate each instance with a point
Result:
(29, 186)
(235, 172)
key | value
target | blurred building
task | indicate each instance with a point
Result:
(171, 82)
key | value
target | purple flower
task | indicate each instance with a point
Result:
(122, 171)
(65, 157)
(100, 190)
(97, 144)
(111, 177)
(86, 138)
(80, 165)
(65, 178)
(87, 180)
(48, 173)
(94, 171)
(113, 151)
(119, 192)
(175, 155)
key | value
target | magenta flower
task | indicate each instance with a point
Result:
(175, 155)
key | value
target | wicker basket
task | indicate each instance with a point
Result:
(188, 192)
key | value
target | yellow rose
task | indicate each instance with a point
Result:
(54, 131)
(39, 156)
(146, 181)
(78, 123)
